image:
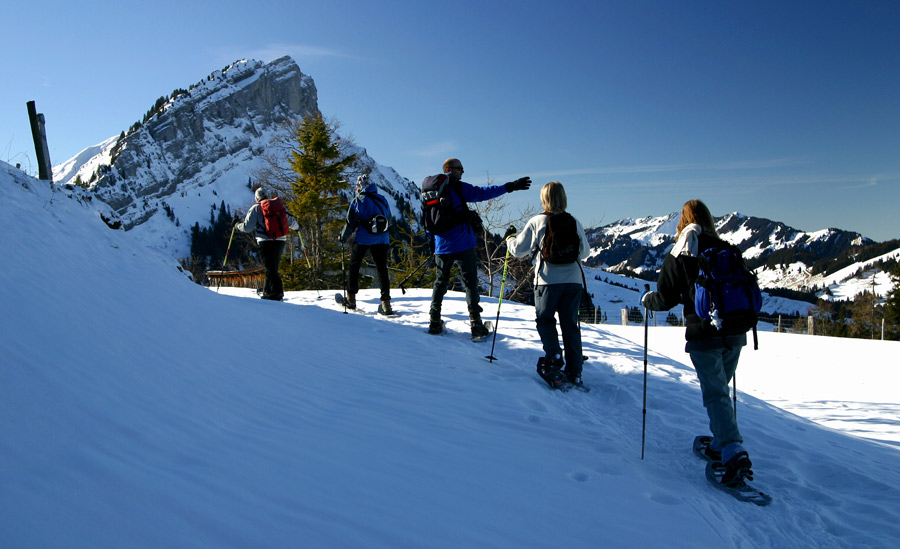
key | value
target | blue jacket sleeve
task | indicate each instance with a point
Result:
(479, 194)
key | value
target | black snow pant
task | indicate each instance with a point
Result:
(380, 257)
(271, 251)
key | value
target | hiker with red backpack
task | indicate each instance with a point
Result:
(368, 216)
(558, 243)
(270, 223)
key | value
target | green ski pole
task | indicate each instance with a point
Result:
(491, 358)
(229, 246)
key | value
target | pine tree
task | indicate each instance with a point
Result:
(892, 307)
(866, 316)
(318, 163)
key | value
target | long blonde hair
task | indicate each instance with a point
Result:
(695, 211)
(553, 197)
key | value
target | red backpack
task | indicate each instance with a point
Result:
(276, 217)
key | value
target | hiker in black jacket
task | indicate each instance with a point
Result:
(714, 357)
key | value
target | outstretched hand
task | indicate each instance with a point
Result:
(521, 184)
(511, 231)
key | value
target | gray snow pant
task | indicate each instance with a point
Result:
(564, 299)
(715, 367)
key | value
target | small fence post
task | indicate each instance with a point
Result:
(810, 328)
(39, 135)
(624, 317)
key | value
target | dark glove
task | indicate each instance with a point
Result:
(645, 299)
(511, 231)
(235, 221)
(520, 184)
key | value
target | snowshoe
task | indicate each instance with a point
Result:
(551, 372)
(741, 490)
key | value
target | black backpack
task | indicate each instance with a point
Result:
(438, 213)
(726, 293)
(379, 223)
(561, 241)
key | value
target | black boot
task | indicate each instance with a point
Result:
(436, 325)
(478, 327)
(737, 469)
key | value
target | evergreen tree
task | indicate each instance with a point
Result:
(866, 316)
(318, 164)
(892, 307)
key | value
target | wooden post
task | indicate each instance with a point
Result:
(39, 134)
(810, 329)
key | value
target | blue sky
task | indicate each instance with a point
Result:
(784, 110)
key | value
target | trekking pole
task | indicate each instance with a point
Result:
(344, 274)
(734, 394)
(303, 247)
(644, 411)
(491, 358)
(228, 249)
(402, 289)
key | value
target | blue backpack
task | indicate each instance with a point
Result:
(726, 294)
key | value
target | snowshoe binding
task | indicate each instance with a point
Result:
(550, 370)
(703, 450)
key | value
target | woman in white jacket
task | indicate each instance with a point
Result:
(558, 286)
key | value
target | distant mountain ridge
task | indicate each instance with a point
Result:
(784, 257)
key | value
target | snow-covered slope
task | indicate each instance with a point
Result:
(142, 410)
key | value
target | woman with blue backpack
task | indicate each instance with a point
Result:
(714, 352)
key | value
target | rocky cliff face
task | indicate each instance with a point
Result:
(229, 115)
(200, 147)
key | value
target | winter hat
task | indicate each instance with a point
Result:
(361, 182)
(261, 194)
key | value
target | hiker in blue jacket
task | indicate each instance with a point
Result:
(715, 357)
(368, 216)
(457, 245)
